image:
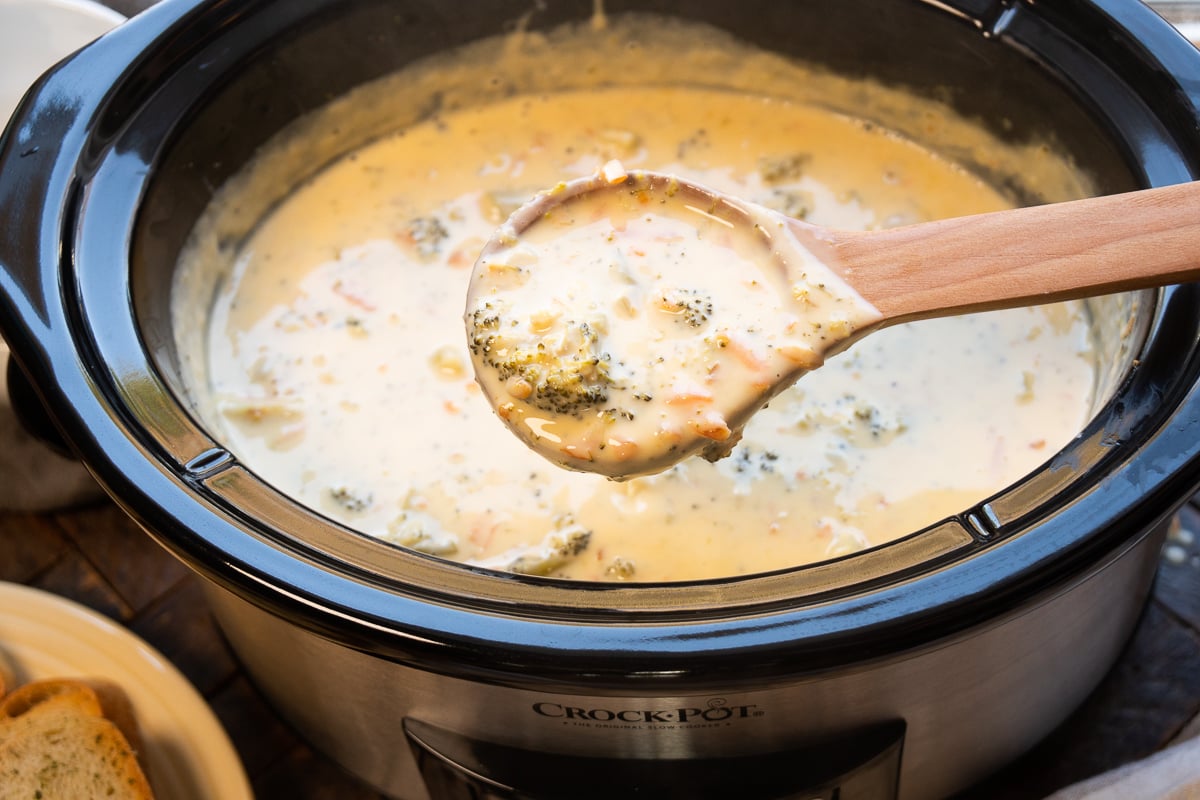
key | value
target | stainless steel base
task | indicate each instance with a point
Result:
(969, 704)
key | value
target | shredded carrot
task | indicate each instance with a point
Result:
(744, 354)
(350, 297)
(686, 393)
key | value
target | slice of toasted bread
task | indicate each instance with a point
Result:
(55, 744)
(58, 692)
(115, 707)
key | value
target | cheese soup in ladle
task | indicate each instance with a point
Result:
(622, 322)
(335, 365)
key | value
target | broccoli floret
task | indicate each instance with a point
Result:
(621, 569)
(778, 169)
(562, 373)
(420, 531)
(351, 499)
(565, 542)
(427, 234)
(692, 308)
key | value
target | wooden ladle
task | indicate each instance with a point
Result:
(1019, 257)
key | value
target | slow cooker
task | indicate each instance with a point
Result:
(910, 670)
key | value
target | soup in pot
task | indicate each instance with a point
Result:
(336, 366)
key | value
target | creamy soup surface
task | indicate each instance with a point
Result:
(338, 363)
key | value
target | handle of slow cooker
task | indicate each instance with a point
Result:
(30, 412)
(857, 765)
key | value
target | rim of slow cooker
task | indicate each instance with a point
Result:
(111, 399)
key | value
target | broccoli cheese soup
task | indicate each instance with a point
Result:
(335, 365)
(622, 322)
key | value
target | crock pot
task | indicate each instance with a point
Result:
(910, 670)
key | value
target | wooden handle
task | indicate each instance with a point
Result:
(1025, 256)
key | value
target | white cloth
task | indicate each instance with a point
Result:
(1171, 774)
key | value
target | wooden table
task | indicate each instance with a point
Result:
(98, 557)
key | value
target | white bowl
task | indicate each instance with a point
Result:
(187, 754)
(37, 34)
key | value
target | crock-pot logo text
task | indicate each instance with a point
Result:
(716, 712)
